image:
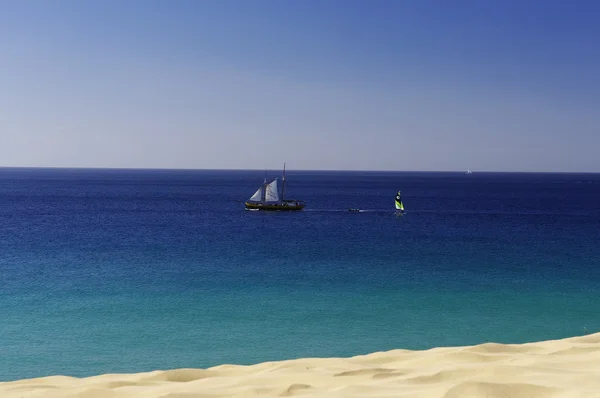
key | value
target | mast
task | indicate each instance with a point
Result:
(283, 183)
(264, 190)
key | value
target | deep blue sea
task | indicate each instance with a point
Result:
(111, 271)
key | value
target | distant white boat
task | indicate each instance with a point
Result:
(469, 171)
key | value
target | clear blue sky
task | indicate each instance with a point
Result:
(505, 85)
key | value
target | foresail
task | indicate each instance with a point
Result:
(257, 197)
(272, 195)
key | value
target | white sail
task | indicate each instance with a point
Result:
(257, 197)
(272, 195)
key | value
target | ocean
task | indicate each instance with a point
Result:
(122, 271)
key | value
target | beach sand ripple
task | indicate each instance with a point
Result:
(568, 368)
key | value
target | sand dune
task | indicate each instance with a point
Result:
(568, 368)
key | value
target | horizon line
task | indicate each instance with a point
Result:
(293, 170)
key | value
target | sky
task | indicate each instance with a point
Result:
(446, 85)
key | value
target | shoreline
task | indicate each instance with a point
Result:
(568, 368)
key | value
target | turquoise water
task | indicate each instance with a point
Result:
(108, 271)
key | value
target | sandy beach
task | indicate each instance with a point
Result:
(565, 368)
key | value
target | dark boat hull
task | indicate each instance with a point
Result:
(288, 205)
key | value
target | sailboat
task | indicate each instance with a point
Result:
(398, 203)
(469, 171)
(267, 197)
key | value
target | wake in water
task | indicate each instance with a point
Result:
(352, 210)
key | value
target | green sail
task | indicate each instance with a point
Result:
(398, 202)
